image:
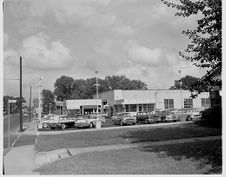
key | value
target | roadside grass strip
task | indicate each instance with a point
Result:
(42, 158)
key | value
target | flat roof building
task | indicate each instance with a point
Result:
(148, 100)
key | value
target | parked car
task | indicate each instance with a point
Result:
(147, 117)
(167, 115)
(124, 118)
(61, 121)
(193, 115)
(88, 121)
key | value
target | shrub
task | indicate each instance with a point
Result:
(212, 117)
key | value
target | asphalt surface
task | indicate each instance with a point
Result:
(14, 128)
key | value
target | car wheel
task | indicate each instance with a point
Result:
(63, 126)
(188, 118)
(45, 125)
(91, 125)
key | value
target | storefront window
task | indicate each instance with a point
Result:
(188, 103)
(133, 107)
(205, 102)
(168, 103)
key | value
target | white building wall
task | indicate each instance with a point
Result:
(75, 104)
(151, 96)
(138, 96)
(108, 96)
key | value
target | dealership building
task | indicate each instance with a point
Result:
(133, 101)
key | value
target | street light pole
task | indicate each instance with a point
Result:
(30, 103)
(181, 102)
(98, 123)
(21, 113)
(39, 101)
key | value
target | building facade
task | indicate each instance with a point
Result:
(134, 101)
(83, 106)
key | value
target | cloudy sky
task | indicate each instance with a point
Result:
(137, 38)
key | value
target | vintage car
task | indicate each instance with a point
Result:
(167, 115)
(88, 121)
(193, 115)
(54, 121)
(147, 117)
(124, 118)
(188, 114)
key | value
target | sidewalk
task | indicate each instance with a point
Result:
(20, 159)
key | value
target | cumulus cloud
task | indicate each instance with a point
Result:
(39, 53)
(150, 75)
(141, 54)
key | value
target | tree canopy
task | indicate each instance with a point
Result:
(69, 88)
(47, 101)
(184, 83)
(205, 47)
(63, 87)
(14, 107)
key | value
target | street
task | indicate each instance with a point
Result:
(14, 128)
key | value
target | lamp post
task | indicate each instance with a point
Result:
(181, 102)
(98, 123)
(39, 101)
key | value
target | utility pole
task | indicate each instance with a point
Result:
(30, 103)
(21, 113)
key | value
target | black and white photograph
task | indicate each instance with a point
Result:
(112, 87)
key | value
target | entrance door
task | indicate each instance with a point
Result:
(139, 107)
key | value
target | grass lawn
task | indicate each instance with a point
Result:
(204, 157)
(122, 136)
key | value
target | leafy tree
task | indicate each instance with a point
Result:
(121, 82)
(47, 101)
(185, 83)
(63, 87)
(68, 88)
(13, 107)
(205, 47)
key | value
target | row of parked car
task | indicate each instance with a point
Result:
(62, 121)
(123, 118)
(157, 116)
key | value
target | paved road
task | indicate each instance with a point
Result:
(14, 128)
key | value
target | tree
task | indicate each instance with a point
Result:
(205, 47)
(185, 83)
(122, 82)
(69, 88)
(47, 101)
(63, 87)
(14, 107)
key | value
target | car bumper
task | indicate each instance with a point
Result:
(129, 121)
(82, 125)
